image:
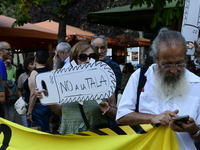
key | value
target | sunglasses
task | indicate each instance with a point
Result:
(98, 36)
(83, 57)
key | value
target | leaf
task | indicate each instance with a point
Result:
(65, 2)
(137, 3)
(57, 10)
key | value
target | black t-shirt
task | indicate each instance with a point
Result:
(26, 87)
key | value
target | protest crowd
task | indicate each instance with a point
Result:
(170, 89)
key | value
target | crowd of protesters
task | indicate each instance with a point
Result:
(170, 79)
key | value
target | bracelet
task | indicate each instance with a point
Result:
(54, 65)
(108, 110)
(196, 134)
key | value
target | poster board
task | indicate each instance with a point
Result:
(90, 81)
(190, 24)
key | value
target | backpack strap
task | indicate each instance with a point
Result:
(141, 83)
(84, 117)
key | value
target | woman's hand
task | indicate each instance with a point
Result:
(104, 106)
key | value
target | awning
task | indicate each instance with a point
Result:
(137, 18)
(27, 30)
(27, 37)
(74, 34)
(71, 32)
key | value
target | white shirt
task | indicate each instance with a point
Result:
(67, 63)
(188, 104)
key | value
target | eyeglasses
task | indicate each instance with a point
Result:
(99, 36)
(8, 49)
(83, 57)
(178, 66)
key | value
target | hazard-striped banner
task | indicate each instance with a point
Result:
(138, 137)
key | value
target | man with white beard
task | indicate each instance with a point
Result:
(170, 91)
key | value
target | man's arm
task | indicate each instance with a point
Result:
(2, 97)
(8, 93)
(135, 118)
(32, 98)
(20, 86)
(19, 92)
(56, 108)
(2, 92)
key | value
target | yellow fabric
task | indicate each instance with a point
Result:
(22, 138)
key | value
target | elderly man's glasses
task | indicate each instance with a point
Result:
(170, 66)
(84, 57)
(98, 36)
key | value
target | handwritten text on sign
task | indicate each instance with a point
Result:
(80, 83)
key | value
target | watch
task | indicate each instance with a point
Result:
(28, 114)
(196, 134)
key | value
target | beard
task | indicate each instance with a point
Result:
(60, 63)
(173, 84)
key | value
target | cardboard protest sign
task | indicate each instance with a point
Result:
(90, 81)
(190, 23)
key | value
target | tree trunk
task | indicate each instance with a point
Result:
(62, 29)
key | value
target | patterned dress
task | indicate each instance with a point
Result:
(72, 121)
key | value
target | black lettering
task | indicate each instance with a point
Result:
(87, 79)
(7, 132)
(97, 83)
(103, 80)
(67, 86)
(83, 87)
(92, 83)
(76, 88)
(51, 80)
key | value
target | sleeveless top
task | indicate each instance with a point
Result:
(26, 87)
(72, 121)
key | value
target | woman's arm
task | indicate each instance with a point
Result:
(109, 108)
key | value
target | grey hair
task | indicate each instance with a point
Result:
(168, 38)
(64, 46)
(105, 40)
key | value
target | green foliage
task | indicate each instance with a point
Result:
(7, 8)
(65, 2)
(162, 15)
(22, 8)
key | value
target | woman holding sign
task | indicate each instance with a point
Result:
(89, 115)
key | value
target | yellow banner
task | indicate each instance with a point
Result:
(141, 137)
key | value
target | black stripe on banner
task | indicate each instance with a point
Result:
(99, 132)
(82, 134)
(138, 129)
(118, 131)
